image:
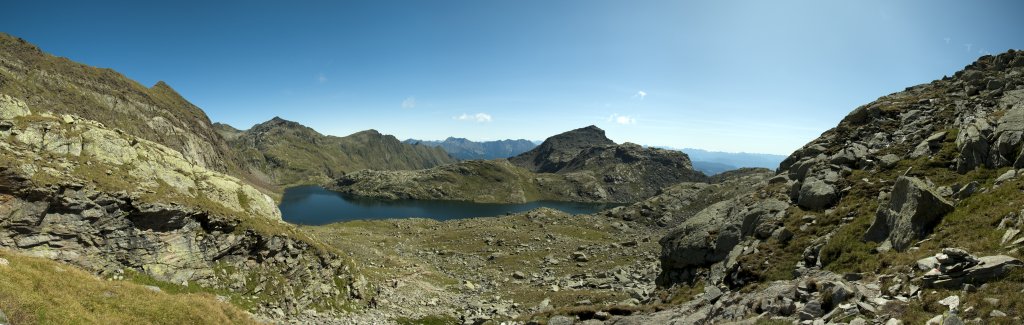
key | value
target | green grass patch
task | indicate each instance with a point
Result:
(40, 291)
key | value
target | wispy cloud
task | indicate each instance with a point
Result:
(640, 94)
(321, 78)
(478, 117)
(409, 102)
(622, 119)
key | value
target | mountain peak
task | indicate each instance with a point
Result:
(279, 123)
(579, 138)
(558, 150)
(161, 84)
(372, 132)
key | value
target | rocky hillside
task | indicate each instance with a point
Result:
(907, 212)
(156, 113)
(77, 191)
(578, 165)
(465, 149)
(289, 153)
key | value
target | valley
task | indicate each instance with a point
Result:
(121, 203)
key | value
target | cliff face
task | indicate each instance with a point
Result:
(73, 190)
(289, 153)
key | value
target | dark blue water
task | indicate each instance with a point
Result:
(314, 205)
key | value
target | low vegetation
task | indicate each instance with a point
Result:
(41, 291)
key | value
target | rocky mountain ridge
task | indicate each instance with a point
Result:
(156, 113)
(578, 165)
(289, 153)
(465, 149)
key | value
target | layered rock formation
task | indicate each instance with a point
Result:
(73, 190)
(289, 153)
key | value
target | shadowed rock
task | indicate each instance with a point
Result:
(910, 214)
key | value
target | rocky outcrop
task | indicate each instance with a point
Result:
(157, 113)
(913, 209)
(120, 162)
(557, 151)
(290, 153)
(11, 108)
(111, 233)
(711, 236)
(679, 202)
(73, 190)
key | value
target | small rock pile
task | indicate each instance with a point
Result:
(954, 267)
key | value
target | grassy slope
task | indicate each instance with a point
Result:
(40, 291)
(292, 154)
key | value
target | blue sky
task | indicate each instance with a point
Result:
(754, 76)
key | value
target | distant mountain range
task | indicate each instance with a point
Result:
(714, 162)
(464, 149)
(707, 162)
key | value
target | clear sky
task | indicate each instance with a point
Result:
(754, 76)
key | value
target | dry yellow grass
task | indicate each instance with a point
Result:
(41, 291)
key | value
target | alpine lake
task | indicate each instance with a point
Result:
(315, 205)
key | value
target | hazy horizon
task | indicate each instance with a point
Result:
(757, 77)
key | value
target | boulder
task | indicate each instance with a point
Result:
(1009, 130)
(561, 320)
(811, 310)
(851, 155)
(888, 161)
(913, 209)
(973, 145)
(701, 240)
(1007, 176)
(967, 190)
(816, 194)
(929, 145)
